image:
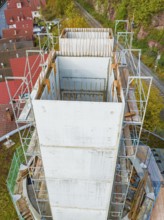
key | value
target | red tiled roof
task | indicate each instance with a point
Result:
(34, 4)
(4, 96)
(26, 24)
(5, 124)
(17, 14)
(18, 69)
(13, 3)
(9, 33)
(18, 66)
(12, 33)
(23, 29)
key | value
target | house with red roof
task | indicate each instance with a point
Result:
(16, 15)
(20, 23)
(19, 69)
(19, 17)
(23, 29)
(34, 5)
(11, 4)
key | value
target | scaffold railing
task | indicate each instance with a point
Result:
(21, 102)
(17, 160)
(136, 93)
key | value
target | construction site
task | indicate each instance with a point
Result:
(81, 154)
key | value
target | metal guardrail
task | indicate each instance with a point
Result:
(154, 134)
(14, 132)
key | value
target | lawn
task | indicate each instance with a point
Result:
(7, 211)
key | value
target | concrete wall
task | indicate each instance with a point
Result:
(79, 144)
(84, 74)
(85, 35)
(78, 214)
(86, 47)
(86, 42)
(52, 94)
(110, 87)
(80, 74)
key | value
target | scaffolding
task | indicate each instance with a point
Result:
(17, 160)
(23, 112)
(126, 58)
(123, 37)
(121, 22)
(46, 41)
(96, 88)
(136, 92)
(26, 180)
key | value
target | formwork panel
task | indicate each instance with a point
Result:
(85, 35)
(79, 144)
(86, 42)
(79, 163)
(80, 214)
(78, 124)
(96, 67)
(75, 193)
(86, 47)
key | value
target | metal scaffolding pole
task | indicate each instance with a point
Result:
(136, 99)
(21, 102)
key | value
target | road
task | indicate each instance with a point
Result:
(144, 69)
(2, 18)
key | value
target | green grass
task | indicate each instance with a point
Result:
(7, 210)
(153, 141)
(99, 17)
(149, 55)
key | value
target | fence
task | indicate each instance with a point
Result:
(17, 160)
